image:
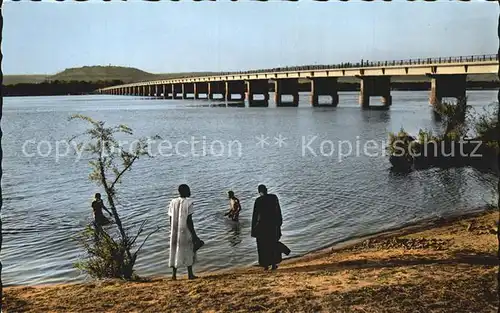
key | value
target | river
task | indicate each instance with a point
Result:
(325, 197)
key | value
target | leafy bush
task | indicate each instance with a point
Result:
(454, 117)
(425, 136)
(108, 256)
(400, 144)
(486, 127)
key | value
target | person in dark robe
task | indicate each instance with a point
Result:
(266, 228)
(97, 207)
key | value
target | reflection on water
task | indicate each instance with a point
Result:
(233, 233)
(327, 196)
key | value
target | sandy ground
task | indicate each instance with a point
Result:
(445, 266)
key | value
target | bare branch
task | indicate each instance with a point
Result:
(123, 171)
(85, 118)
(144, 241)
(141, 228)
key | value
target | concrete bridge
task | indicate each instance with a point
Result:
(448, 77)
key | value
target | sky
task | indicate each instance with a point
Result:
(165, 37)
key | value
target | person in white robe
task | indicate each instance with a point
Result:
(182, 233)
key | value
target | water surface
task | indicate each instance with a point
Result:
(325, 199)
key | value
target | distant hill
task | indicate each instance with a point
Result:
(97, 73)
(130, 74)
(105, 73)
(86, 73)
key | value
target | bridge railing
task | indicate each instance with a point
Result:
(362, 63)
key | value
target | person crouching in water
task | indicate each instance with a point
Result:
(97, 207)
(234, 206)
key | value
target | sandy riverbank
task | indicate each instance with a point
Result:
(443, 266)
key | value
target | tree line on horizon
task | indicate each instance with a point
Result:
(57, 87)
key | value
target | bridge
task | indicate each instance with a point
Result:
(448, 77)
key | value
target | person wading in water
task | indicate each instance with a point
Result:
(97, 207)
(266, 228)
(234, 206)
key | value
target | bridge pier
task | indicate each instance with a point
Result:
(286, 87)
(375, 86)
(453, 86)
(216, 88)
(235, 87)
(159, 91)
(167, 91)
(176, 89)
(256, 87)
(324, 86)
(200, 88)
(187, 88)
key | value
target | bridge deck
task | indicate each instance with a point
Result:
(436, 66)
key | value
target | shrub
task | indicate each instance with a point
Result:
(108, 256)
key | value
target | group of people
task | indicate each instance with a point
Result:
(184, 242)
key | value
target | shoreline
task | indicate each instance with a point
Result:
(405, 229)
(441, 265)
